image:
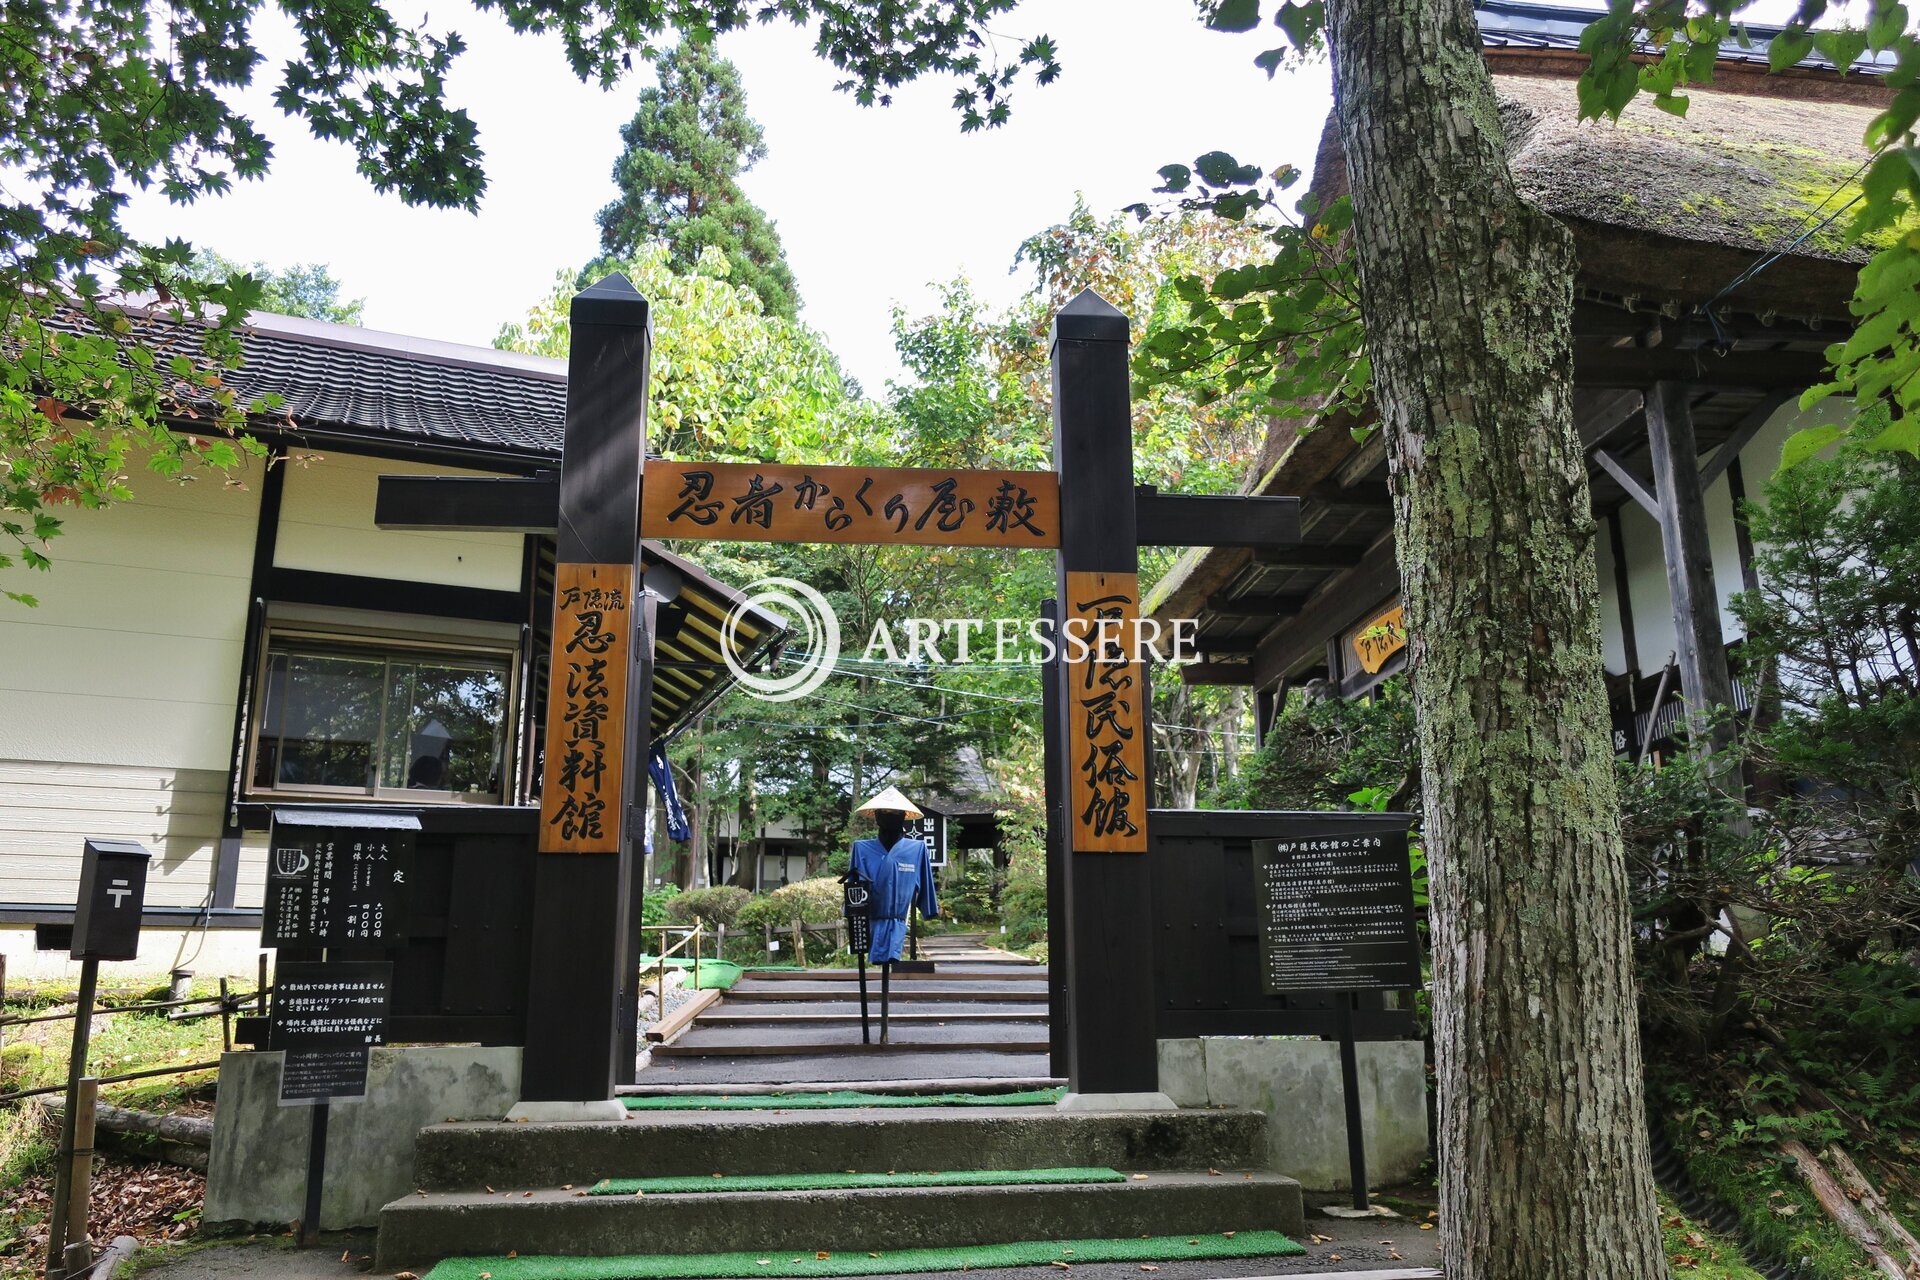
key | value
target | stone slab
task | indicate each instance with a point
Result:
(416, 1230)
(469, 1157)
(1296, 1082)
(836, 1068)
(256, 1172)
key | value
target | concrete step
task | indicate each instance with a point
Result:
(475, 1155)
(949, 971)
(418, 1229)
(970, 1084)
(1012, 992)
(703, 1041)
(843, 1013)
(836, 1070)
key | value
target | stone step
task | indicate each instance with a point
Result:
(649, 1088)
(835, 1070)
(420, 1228)
(841, 1013)
(949, 971)
(474, 1155)
(748, 1041)
(1016, 993)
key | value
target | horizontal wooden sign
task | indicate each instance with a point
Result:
(1106, 712)
(919, 506)
(580, 795)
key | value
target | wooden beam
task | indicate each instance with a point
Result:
(1225, 673)
(1600, 412)
(1310, 557)
(1202, 520)
(1743, 433)
(1700, 647)
(1226, 644)
(1701, 369)
(1340, 602)
(1221, 606)
(1636, 487)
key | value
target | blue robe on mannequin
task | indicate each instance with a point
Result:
(898, 874)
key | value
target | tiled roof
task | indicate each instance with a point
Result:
(1513, 24)
(343, 380)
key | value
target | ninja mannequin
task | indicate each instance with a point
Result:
(895, 870)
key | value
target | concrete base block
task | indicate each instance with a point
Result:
(256, 1172)
(1296, 1082)
(568, 1112)
(1116, 1102)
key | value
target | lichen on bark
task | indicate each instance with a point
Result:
(1467, 298)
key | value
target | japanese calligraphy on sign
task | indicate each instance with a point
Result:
(1336, 913)
(326, 1017)
(1379, 638)
(343, 886)
(1106, 712)
(580, 796)
(747, 502)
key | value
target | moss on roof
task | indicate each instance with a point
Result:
(1740, 170)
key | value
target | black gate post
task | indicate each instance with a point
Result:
(1059, 959)
(577, 982)
(1099, 777)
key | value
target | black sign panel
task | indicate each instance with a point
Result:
(340, 886)
(113, 887)
(327, 1015)
(859, 906)
(932, 829)
(1336, 913)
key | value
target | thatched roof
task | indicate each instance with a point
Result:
(1739, 170)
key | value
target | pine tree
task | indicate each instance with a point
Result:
(678, 177)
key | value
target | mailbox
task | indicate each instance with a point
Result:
(113, 888)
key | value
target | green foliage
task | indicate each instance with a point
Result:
(656, 907)
(718, 905)
(1023, 903)
(967, 891)
(685, 149)
(730, 382)
(1331, 753)
(1878, 366)
(304, 289)
(1285, 331)
(103, 99)
(816, 901)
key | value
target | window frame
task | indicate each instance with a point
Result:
(383, 644)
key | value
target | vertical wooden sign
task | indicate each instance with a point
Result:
(1106, 729)
(586, 741)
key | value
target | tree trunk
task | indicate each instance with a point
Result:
(1467, 299)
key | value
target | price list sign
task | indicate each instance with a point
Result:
(337, 886)
(1336, 913)
(859, 912)
(327, 1016)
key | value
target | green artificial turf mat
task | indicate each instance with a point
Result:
(839, 1098)
(850, 1181)
(787, 1262)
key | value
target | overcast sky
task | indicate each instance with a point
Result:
(873, 203)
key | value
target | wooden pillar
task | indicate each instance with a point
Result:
(1700, 648)
(627, 1062)
(596, 742)
(1111, 1048)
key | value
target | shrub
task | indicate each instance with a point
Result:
(655, 908)
(816, 901)
(1023, 903)
(719, 905)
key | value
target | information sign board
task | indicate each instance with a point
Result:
(338, 880)
(326, 1017)
(1336, 913)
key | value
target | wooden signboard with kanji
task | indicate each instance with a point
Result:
(1106, 728)
(911, 506)
(587, 709)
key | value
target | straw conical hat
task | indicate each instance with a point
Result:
(892, 800)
